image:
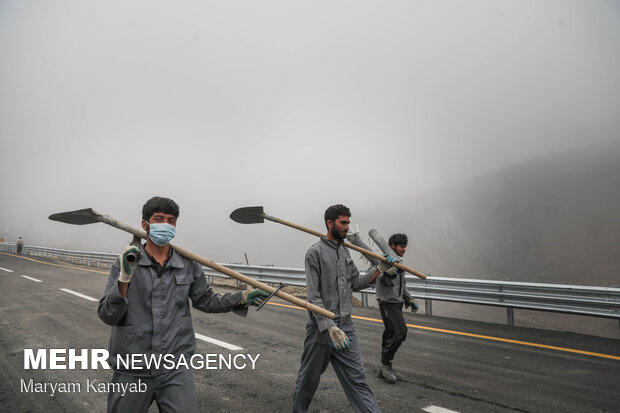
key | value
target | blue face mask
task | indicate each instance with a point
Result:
(161, 234)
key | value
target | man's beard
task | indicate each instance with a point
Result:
(337, 234)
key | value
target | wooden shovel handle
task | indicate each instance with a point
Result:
(224, 270)
(348, 245)
(255, 283)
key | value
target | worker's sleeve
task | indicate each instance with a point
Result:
(359, 281)
(313, 288)
(205, 299)
(371, 271)
(406, 296)
(112, 306)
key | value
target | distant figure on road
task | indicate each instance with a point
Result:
(331, 278)
(146, 303)
(392, 294)
(20, 245)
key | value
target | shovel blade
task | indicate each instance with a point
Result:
(248, 215)
(79, 217)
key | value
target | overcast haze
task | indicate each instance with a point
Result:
(290, 105)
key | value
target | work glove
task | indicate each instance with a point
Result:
(129, 262)
(413, 305)
(387, 268)
(253, 297)
(340, 341)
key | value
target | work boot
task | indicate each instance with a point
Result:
(379, 374)
(386, 373)
(399, 377)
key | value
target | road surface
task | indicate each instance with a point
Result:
(447, 364)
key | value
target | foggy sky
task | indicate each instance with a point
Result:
(290, 105)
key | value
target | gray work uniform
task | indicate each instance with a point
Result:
(331, 278)
(155, 319)
(391, 292)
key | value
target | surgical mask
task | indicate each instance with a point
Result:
(161, 234)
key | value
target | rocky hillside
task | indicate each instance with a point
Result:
(552, 219)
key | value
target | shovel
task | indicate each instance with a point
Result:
(256, 215)
(89, 216)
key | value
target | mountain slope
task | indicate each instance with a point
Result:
(551, 219)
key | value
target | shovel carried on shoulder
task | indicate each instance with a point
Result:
(90, 216)
(256, 215)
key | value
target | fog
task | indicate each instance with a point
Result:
(293, 106)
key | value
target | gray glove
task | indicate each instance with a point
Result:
(339, 339)
(129, 262)
(253, 297)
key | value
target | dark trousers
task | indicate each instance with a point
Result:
(318, 352)
(395, 330)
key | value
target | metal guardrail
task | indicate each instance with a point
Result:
(561, 298)
(80, 257)
(266, 274)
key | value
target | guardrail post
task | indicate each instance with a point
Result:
(511, 316)
(364, 300)
(428, 304)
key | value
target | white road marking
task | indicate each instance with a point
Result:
(33, 279)
(78, 294)
(437, 409)
(218, 342)
(6, 269)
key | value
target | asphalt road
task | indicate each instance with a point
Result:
(446, 363)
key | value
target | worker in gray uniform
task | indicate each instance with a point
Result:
(331, 278)
(146, 303)
(392, 293)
